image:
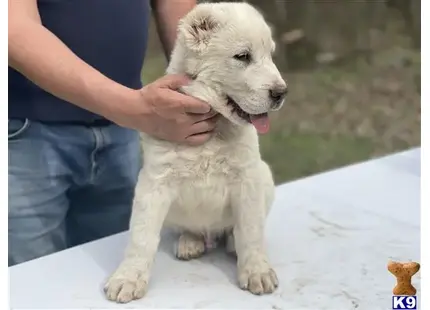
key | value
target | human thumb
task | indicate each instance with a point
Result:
(173, 81)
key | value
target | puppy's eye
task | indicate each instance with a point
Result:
(245, 57)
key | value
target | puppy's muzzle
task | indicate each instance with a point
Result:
(277, 96)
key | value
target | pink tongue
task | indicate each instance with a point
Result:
(261, 122)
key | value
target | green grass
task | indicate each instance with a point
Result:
(153, 68)
(297, 154)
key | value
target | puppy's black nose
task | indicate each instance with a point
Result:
(278, 94)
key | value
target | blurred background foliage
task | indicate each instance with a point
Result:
(354, 74)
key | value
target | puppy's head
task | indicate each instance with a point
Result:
(229, 47)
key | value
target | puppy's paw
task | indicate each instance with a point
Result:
(258, 278)
(126, 284)
(190, 246)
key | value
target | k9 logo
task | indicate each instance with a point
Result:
(404, 302)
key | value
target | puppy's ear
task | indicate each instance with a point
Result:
(198, 26)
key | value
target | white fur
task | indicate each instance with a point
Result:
(222, 186)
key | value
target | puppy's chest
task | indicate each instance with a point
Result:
(204, 164)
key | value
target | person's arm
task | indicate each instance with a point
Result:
(39, 55)
(157, 109)
(167, 14)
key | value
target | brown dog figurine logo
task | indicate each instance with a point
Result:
(404, 273)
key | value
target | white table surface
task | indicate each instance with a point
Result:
(329, 238)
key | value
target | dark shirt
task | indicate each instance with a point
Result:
(110, 35)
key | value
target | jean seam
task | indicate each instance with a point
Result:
(98, 138)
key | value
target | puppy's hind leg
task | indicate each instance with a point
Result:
(150, 208)
(190, 246)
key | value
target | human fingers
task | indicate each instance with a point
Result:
(186, 103)
(195, 106)
(173, 81)
(203, 126)
(198, 139)
(195, 118)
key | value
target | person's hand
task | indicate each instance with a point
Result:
(163, 112)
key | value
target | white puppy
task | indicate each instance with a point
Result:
(222, 187)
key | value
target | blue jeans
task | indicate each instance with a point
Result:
(68, 184)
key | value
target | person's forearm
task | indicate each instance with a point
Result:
(40, 56)
(167, 14)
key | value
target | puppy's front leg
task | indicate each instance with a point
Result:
(150, 208)
(250, 205)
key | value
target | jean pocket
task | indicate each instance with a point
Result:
(17, 127)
